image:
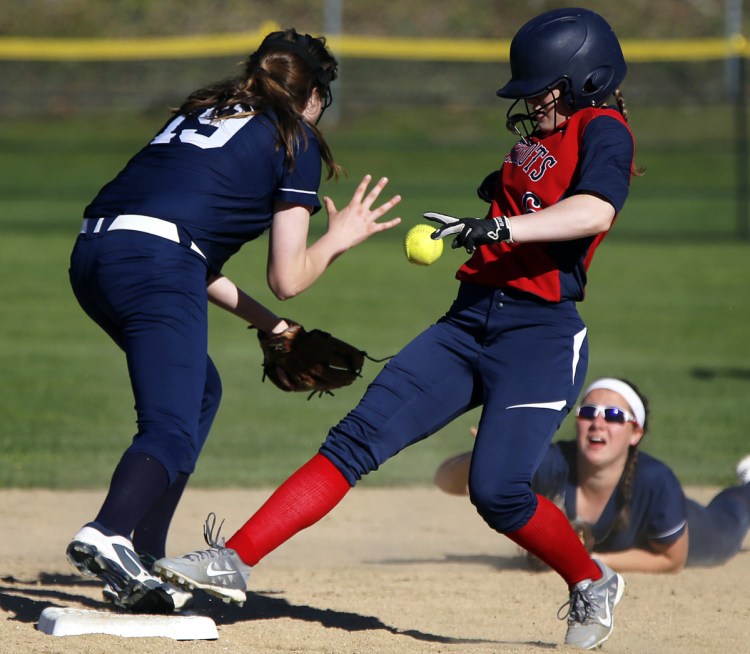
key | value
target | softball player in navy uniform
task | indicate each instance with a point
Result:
(512, 342)
(636, 509)
(239, 157)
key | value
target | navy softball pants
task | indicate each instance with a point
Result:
(149, 295)
(716, 531)
(524, 360)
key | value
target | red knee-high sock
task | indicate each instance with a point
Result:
(302, 500)
(549, 536)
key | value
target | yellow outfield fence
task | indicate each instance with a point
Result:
(69, 77)
(362, 47)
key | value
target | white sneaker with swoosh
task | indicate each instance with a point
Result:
(589, 609)
(96, 551)
(173, 599)
(217, 570)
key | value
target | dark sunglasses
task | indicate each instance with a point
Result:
(610, 413)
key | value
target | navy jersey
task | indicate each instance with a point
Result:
(217, 179)
(657, 510)
(592, 152)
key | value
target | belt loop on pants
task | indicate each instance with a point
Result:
(138, 223)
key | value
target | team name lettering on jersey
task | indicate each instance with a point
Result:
(534, 158)
(538, 173)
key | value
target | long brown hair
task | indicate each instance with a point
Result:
(278, 80)
(638, 171)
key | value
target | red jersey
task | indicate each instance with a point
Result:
(592, 152)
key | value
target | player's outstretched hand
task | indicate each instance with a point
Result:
(357, 221)
(470, 232)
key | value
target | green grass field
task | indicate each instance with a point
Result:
(667, 302)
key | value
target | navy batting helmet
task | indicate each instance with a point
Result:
(573, 47)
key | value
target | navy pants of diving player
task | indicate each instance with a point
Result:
(521, 358)
(149, 295)
(716, 531)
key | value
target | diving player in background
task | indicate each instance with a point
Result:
(512, 342)
(639, 516)
(239, 157)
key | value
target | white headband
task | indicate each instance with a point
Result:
(620, 387)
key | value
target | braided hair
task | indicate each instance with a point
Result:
(625, 485)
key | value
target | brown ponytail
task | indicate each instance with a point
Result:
(638, 171)
(278, 81)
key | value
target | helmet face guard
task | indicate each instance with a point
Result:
(526, 120)
(575, 49)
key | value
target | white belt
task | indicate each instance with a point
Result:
(137, 223)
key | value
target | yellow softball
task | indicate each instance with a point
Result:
(420, 248)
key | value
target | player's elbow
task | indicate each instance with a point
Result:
(602, 223)
(676, 567)
(283, 293)
(599, 219)
(285, 282)
(675, 559)
(595, 213)
(452, 476)
(284, 289)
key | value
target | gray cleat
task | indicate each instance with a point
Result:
(217, 570)
(590, 609)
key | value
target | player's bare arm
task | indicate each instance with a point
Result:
(669, 558)
(224, 293)
(575, 217)
(293, 266)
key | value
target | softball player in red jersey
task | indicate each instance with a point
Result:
(512, 342)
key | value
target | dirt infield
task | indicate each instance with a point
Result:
(388, 571)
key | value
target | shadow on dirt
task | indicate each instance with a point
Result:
(24, 601)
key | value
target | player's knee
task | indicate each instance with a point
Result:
(351, 456)
(505, 507)
(175, 444)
